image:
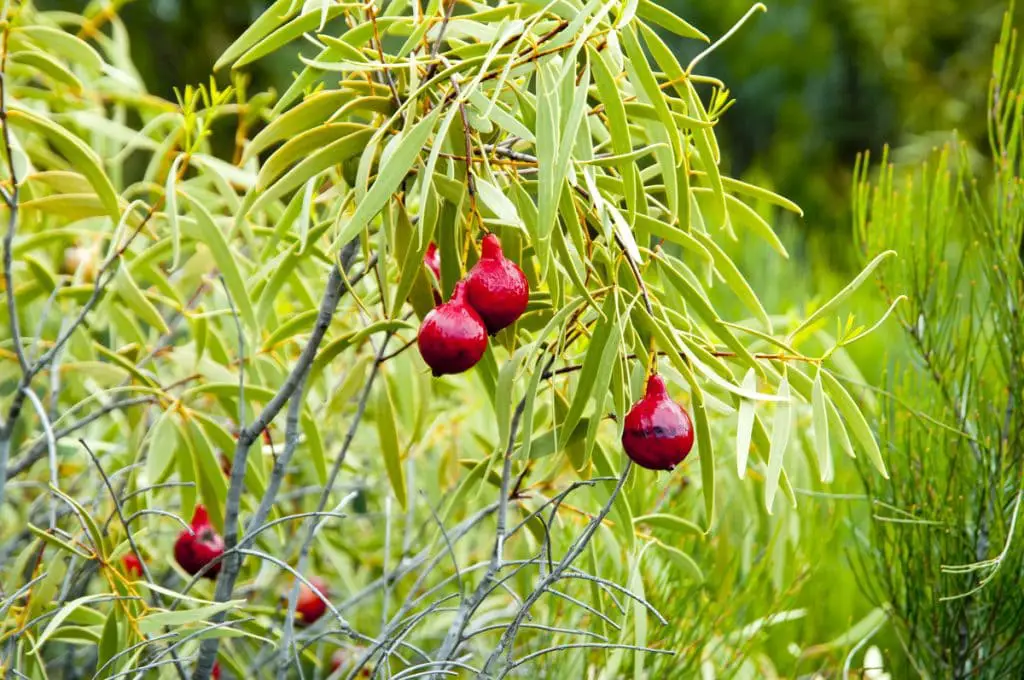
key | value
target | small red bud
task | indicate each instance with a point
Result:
(452, 337)
(194, 550)
(432, 260)
(309, 606)
(657, 432)
(132, 565)
(496, 287)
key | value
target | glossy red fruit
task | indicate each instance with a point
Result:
(496, 287)
(132, 565)
(452, 337)
(194, 550)
(309, 606)
(658, 433)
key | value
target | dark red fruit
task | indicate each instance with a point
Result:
(658, 433)
(132, 565)
(309, 606)
(216, 671)
(496, 287)
(452, 337)
(194, 550)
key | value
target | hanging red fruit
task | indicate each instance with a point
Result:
(309, 606)
(657, 433)
(195, 549)
(132, 565)
(452, 337)
(496, 287)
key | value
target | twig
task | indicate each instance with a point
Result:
(132, 544)
(286, 638)
(246, 437)
(436, 49)
(510, 633)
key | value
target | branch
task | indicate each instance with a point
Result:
(293, 596)
(510, 633)
(246, 437)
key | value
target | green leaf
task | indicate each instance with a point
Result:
(57, 42)
(391, 176)
(820, 420)
(129, 292)
(63, 613)
(48, 66)
(154, 621)
(310, 145)
(670, 523)
(592, 363)
(497, 202)
(275, 15)
(846, 292)
(745, 424)
(205, 230)
(311, 112)
(387, 431)
(163, 442)
(649, 84)
(58, 542)
(855, 419)
(333, 154)
(656, 14)
(683, 562)
(707, 454)
(97, 537)
(78, 154)
(780, 441)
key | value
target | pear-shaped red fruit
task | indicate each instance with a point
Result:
(309, 606)
(657, 433)
(195, 549)
(496, 287)
(452, 337)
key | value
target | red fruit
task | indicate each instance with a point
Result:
(452, 337)
(216, 671)
(658, 433)
(496, 287)
(132, 565)
(309, 606)
(432, 260)
(194, 550)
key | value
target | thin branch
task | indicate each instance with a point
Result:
(510, 633)
(286, 638)
(246, 437)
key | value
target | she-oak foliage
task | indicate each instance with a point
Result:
(234, 280)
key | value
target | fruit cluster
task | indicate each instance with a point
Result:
(453, 336)
(657, 433)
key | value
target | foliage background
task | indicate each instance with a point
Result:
(816, 83)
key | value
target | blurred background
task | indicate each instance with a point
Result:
(816, 82)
